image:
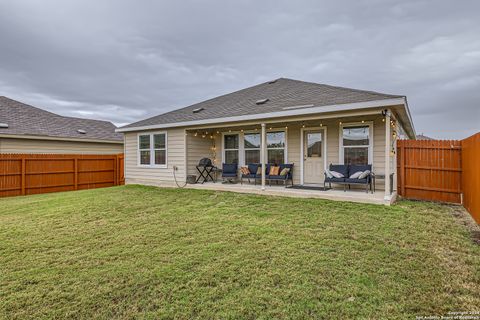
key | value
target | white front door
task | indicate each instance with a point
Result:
(313, 166)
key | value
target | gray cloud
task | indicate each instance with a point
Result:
(124, 60)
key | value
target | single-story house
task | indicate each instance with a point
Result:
(287, 121)
(27, 129)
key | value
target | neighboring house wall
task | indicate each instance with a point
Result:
(154, 175)
(15, 145)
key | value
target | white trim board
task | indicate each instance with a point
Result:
(152, 150)
(286, 113)
(371, 137)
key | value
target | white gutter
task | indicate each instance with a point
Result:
(296, 112)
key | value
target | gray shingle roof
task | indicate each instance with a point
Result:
(281, 93)
(23, 119)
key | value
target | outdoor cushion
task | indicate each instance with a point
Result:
(335, 180)
(359, 167)
(328, 173)
(355, 180)
(229, 174)
(245, 170)
(259, 171)
(277, 177)
(274, 170)
(356, 175)
(285, 171)
(364, 174)
(336, 174)
(341, 168)
(253, 168)
(229, 170)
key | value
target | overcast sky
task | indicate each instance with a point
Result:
(124, 61)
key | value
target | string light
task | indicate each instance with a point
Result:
(363, 121)
(196, 134)
(229, 130)
(321, 124)
(340, 122)
(218, 132)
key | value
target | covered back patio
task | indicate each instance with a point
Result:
(309, 144)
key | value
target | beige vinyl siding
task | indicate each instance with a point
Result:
(12, 145)
(198, 148)
(294, 152)
(134, 173)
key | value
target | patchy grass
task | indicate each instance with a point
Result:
(129, 252)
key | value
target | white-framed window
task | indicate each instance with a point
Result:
(276, 147)
(152, 149)
(231, 148)
(244, 147)
(356, 143)
(251, 145)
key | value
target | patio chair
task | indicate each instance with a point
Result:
(229, 171)
(284, 178)
(253, 168)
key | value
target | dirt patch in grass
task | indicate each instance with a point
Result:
(464, 218)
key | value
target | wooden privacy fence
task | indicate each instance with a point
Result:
(441, 170)
(471, 175)
(23, 174)
(430, 170)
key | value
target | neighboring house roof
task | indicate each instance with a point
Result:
(282, 94)
(25, 120)
(423, 137)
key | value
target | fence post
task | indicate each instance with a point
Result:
(75, 177)
(115, 170)
(402, 168)
(23, 175)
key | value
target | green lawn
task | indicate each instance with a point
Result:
(144, 252)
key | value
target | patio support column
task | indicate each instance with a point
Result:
(263, 153)
(387, 155)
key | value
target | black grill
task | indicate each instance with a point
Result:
(205, 162)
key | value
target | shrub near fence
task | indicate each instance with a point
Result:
(23, 174)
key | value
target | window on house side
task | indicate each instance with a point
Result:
(356, 144)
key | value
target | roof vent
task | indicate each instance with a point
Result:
(261, 101)
(273, 81)
(198, 110)
(81, 131)
(4, 125)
